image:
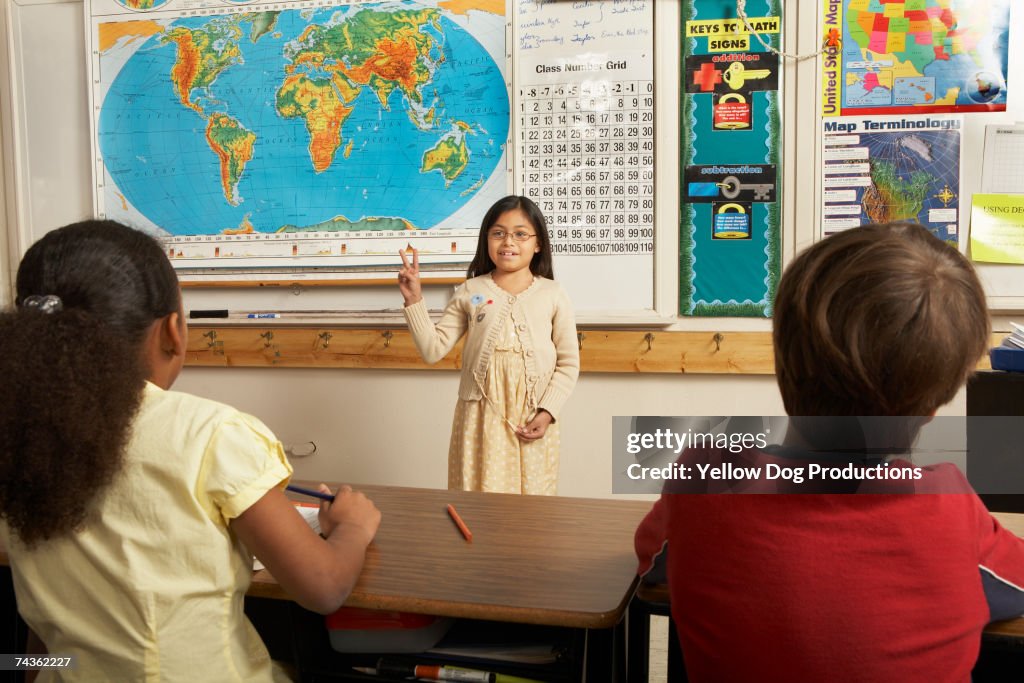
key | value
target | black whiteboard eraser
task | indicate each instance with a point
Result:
(208, 314)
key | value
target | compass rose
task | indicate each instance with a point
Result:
(946, 195)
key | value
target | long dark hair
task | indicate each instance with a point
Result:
(73, 370)
(540, 264)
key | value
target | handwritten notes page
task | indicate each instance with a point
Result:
(584, 116)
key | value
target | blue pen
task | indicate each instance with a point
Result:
(310, 492)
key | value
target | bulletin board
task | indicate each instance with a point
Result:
(49, 171)
(730, 253)
(901, 123)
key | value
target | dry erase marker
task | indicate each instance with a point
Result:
(310, 492)
(498, 678)
(224, 313)
(430, 672)
(459, 523)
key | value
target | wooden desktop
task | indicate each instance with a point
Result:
(533, 559)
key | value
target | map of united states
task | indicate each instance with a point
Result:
(941, 54)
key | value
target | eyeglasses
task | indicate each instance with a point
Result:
(518, 235)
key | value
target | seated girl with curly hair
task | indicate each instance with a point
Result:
(131, 512)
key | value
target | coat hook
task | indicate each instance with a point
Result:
(325, 339)
(212, 336)
(387, 334)
(579, 339)
(296, 288)
(649, 338)
(718, 339)
(267, 338)
(301, 450)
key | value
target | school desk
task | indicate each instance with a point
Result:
(654, 599)
(550, 561)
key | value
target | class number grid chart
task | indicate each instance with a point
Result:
(587, 159)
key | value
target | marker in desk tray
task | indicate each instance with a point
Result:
(224, 313)
(459, 523)
(430, 672)
(310, 492)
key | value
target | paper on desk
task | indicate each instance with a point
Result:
(1016, 338)
(309, 513)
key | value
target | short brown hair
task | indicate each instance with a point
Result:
(878, 320)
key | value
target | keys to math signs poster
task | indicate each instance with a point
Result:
(915, 56)
(300, 133)
(729, 237)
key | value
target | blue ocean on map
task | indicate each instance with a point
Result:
(156, 151)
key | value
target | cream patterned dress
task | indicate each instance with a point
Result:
(485, 454)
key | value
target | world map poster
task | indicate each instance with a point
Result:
(914, 56)
(312, 133)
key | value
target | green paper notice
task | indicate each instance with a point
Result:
(997, 228)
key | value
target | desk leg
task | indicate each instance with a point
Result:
(638, 642)
(606, 655)
(676, 666)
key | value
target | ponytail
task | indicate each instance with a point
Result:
(74, 372)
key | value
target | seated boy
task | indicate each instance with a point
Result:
(882, 320)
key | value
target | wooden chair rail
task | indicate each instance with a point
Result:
(633, 351)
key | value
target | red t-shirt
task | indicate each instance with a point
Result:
(832, 587)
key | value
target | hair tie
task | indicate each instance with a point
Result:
(48, 303)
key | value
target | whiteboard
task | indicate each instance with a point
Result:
(49, 178)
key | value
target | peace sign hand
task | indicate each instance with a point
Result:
(409, 278)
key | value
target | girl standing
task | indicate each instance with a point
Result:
(520, 360)
(131, 512)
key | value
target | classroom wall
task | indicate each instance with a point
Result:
(392, 427)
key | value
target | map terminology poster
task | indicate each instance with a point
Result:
(300, 133)
(883, 169)
(914, 56)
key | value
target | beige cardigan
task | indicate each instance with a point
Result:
(544, 321)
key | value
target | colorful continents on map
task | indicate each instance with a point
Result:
(389, 110)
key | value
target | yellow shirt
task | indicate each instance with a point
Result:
(152, 588)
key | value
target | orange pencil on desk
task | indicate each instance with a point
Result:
(459, 523)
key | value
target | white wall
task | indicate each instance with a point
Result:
(392, 426)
